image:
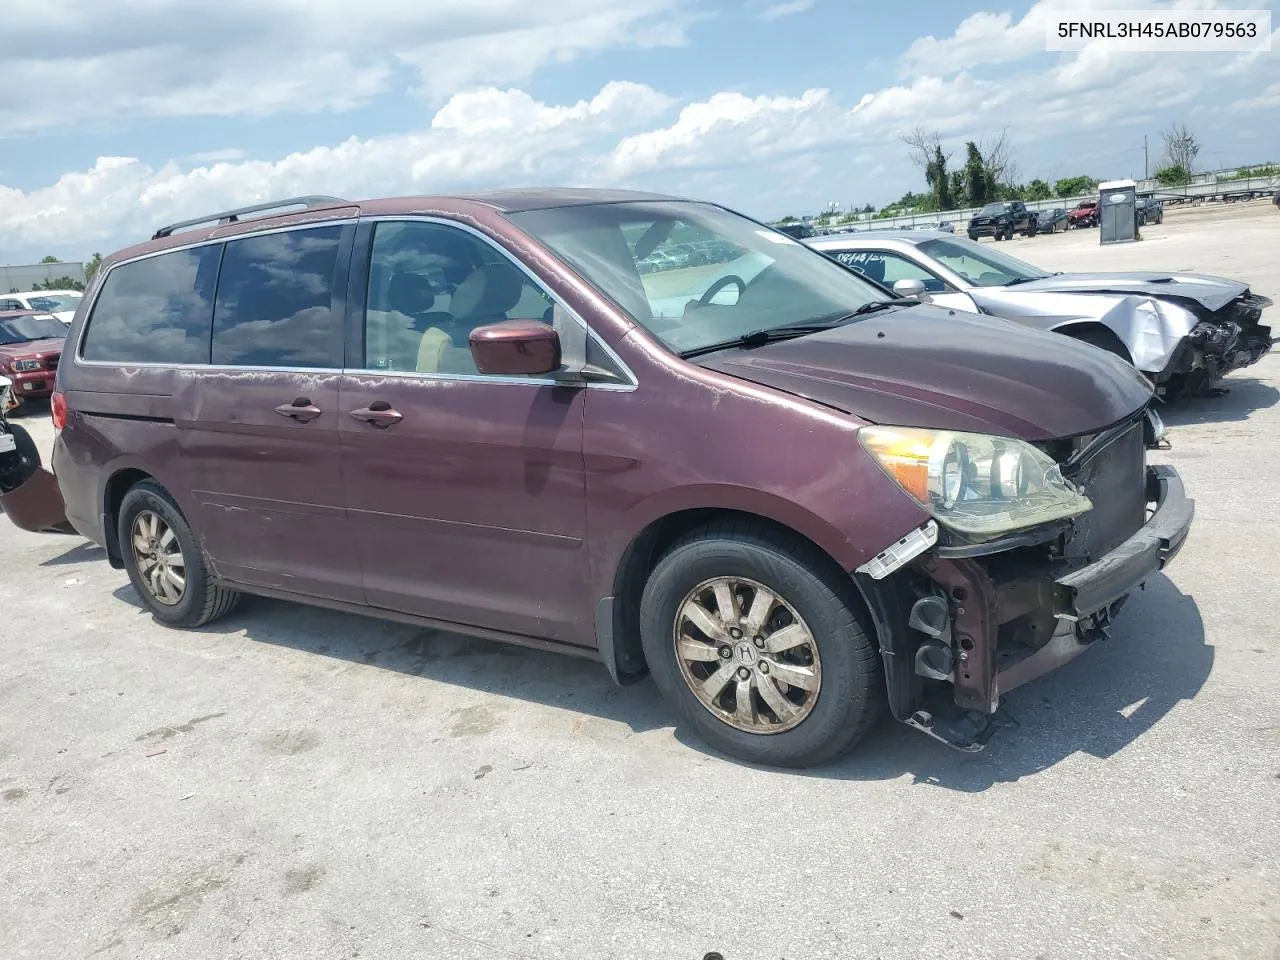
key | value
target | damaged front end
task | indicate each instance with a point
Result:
(962, 620)
(1222, 341)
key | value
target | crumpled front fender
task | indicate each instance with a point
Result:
(1150, 329)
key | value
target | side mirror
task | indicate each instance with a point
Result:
(910, 288)
(515, 348)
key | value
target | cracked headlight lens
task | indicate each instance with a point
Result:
(977, 485)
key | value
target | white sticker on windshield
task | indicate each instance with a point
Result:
(774, 237)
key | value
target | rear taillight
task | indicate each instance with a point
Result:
(58, 406)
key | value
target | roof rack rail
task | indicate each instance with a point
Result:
(231, 216)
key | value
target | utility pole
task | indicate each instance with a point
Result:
(1146, 171)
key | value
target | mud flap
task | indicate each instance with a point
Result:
(37, 505)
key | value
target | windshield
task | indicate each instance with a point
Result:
(693, 274)
(978, 264)
(991, 208)
(23, 329)
(55, 302)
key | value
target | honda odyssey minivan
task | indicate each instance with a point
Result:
(790, 497)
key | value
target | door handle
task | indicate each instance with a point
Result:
(302, 410)
(378, 414)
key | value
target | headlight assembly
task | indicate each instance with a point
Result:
(977, 485)
(26, 365)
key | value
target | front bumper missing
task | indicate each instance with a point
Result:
(1007, 630)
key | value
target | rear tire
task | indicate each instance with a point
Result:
(165, 563)
(730, 568)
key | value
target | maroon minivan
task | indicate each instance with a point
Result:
(640, 429)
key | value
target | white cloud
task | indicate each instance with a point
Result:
(785, 9)
(783, 152)
(1268, 99)
(994, 38)
(756, 126)
(67, 61)
(477, 139)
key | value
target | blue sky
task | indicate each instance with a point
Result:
(128, 113)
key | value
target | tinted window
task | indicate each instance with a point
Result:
(274, 304)
(430, 285)
(157, 310)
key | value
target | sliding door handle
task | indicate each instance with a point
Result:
(378, 414)
(302, 410)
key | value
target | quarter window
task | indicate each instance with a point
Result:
(275, 300)
(157, 310)
(430, 285)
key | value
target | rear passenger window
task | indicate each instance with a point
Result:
(274, 304)
(157, 310)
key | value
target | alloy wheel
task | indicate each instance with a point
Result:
(747, 655)
(158, 556)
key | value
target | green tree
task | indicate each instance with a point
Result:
(1173, 175)
(91, 268)
(1266, 170)
(1075, 186)
(50, 259)
(939, 182)
(1180, 149)
(1037, 190)
(978, 188)
(786, 219)
(59, 283)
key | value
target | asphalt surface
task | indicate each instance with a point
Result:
(294, 783)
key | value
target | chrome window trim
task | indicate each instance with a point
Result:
(99, 282)
(77, 357)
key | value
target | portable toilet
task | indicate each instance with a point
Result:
(1117, 211)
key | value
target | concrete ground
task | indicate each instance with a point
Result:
(295, 783)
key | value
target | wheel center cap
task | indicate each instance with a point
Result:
(746, 652)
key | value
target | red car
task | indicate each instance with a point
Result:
(30, 348)
(1084, 215)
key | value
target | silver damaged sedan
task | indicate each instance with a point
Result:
(1184, 331)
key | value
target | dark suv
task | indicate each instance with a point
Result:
(1001, 220)
(791, 497)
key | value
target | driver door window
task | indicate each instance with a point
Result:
(430, 285)
(888, 268)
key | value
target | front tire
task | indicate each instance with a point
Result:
(165, 563)
(756, 639)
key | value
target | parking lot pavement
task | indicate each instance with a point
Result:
(296, 783)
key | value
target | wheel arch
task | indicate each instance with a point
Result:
(618, 615)
(119, 483)
(1097, 333)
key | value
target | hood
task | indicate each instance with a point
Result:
(37, 349)
(929, 367)
(1212, 293)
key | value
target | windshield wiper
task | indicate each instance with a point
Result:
(1017, 280)
(875, 306)
(758, 338)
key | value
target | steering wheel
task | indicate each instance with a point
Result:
(719, 285)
